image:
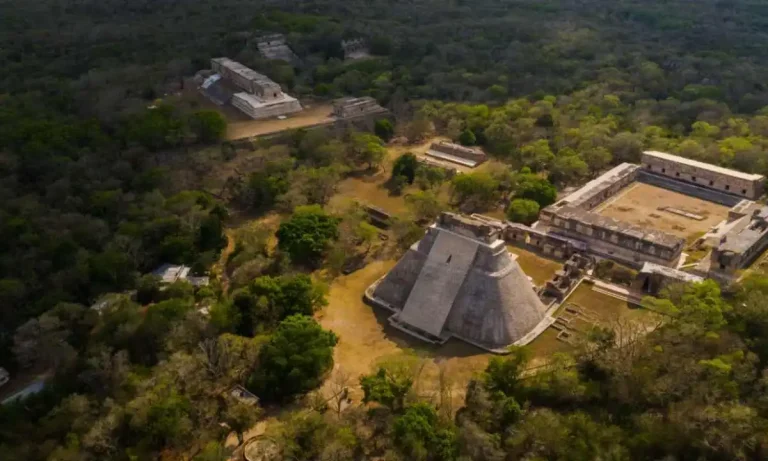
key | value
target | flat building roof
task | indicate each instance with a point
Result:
(704, 166)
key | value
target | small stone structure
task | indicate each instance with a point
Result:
(652, 278)
(253, 93)
(704, 174)
(355, 48)
(566, 279)
(274, 47)
(378, 216)
(456, 153)
(348, 108)
(460, 280)
(243, 395)
(170, 273)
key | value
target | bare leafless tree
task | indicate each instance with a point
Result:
(338, 388)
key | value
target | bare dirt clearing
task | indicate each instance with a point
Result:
(244, 127)
(639, 204)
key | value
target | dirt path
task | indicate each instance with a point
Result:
(311, 115)
(220, 268)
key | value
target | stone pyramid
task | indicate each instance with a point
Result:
(460, 280)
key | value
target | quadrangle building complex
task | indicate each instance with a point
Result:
(460, 281)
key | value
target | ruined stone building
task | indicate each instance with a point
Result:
(652, 278)
(605, 236)
(704, 174)
(601, 188)
(744, 240)
(460, 280)
(274, 46)
(618, 240)
(347, 108)
(456, 153)
(355, 48)
(550, 244)
(253, 93)
(568, 277)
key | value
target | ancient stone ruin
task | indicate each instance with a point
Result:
(253, 93)
(350, 108)
(274, 47)
(456, 153)
(355, 48)
(460, 280)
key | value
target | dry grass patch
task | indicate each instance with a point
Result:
(540, 269)
(605, 308)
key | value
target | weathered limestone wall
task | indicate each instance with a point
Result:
(686, 188)
(356, 107)
(601, 188)
(459, 151)
(703, 174)
(613, 238)
(290, 106)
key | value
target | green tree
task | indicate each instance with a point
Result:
(148, 289)
(523, 211)
(366, 233)
(294, 360)
(534, 188)
(209, 126)
(596, 158)
(425, 205)
(474, 191)
(384, 129)
(307, 233)
(536, 155)
(406, 165)
(265, 186)
(568, 169)
(504, 374)
(279, 297)
(429, 177)
(161, 418)
(320, 183)
(241, 416)
(367, 149)
(467, 137)
(386, 388)
(420, 436)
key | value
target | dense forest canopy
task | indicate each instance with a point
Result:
(102, 161)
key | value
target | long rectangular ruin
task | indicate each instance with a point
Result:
(456, 153)
(704, 174)
(255, 94)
